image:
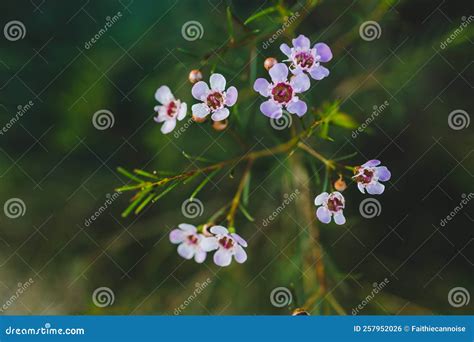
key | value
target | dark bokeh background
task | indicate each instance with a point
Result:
(62, 167)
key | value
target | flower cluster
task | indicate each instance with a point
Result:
(193, 244)
(281, 92)
(215, 101)
(288, 81)
(367, 176)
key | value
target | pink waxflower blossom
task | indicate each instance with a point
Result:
(281, 92)
(369, 175)
(303, 58)
(214, 99)
(170, 109)
(228, 245)
(191, 243)
(330, 205)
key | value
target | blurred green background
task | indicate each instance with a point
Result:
(63, 168)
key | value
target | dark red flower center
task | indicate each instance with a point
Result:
(335, 204)
(282, 92)
(304, 59)
(172, 108)
(192, 239)
(226, 242)
(215, 100)
(365, 176)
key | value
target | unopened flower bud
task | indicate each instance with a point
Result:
(206, 229)
(199, 120)
(220, 125)
(269, 62)
(195, 76)
(300, 312)
(340, 184)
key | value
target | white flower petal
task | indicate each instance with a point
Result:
(220, 115)
(217, 82)
(182, 111)
(339, 218)
(168, 126)
(321, 198)
(200, 110)
(208, 244)
(375, 188)
(323, 214)
(163, 95)
(185, 251)
(200, 256)
(219, 230)
(177, 236)
(200, 90)
(222, 258)
(240, 254)
(187, 227)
